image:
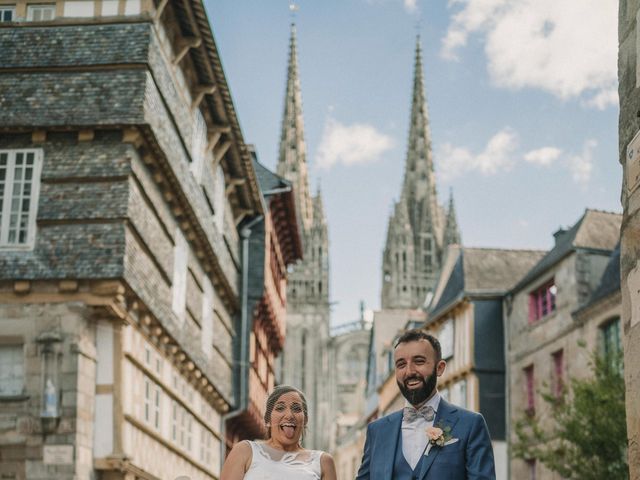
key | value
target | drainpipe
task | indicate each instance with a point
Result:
(507, 308)
(241, 363)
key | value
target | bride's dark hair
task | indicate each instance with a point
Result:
(273, 398)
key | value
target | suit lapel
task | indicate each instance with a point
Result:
(388, 443)
(445, 417)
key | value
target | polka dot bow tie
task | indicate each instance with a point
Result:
(410, 414)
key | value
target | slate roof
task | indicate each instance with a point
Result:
(483, 271)
(596, 230)
(267, 179)
(609, 282)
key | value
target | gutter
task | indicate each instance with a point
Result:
(242, 363)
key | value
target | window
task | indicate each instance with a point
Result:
(152, 400)
(611, 342)
(530, 389)
(41, 13)
(179, 286)
(558, 373)
(219, 199)
(542, 301)
(19, 188)
(447, 339)
(11, 370)
(206, 446)
(198, 144)
(7, 13)
(458, 394)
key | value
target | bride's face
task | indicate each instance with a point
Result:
(287, 420)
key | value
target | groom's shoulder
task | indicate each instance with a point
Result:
(380, 422)
(464, 414)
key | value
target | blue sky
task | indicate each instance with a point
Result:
(522, 103)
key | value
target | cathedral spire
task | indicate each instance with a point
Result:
(292, 163)
(318, 207)
(419, 179)
(451, 232)
(413, 253)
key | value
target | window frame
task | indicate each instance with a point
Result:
(19, 348)
(40, 6)
(536, 297)
(7, 8)
(558, 373)
(530, 389)
(7, 197)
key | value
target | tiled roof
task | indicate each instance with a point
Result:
(595, 230)
(484, 271)
(267, 179)
(610, 280)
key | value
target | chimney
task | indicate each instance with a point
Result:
(558, 234)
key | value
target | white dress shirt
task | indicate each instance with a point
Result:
(414, 435)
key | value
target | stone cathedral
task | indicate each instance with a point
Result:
(419, 228)
(305, 362)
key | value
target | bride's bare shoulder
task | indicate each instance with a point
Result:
(237, 462)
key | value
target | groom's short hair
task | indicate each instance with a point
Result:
(416, 335)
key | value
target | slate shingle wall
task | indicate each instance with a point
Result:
(73, 45)
(72, 98)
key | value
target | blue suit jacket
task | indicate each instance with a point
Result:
(470, 458)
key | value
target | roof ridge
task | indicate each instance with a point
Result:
(506, 249)
(597, 210)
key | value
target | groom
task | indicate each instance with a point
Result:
(430, 439)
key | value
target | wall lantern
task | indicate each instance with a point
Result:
(50, 343)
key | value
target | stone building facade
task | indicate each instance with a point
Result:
(544, 333)
(420, 228)
(466, 315)
(628, 128)
(305, 362)
(123, 175)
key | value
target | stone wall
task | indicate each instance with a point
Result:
(629, 125)
(21, 432)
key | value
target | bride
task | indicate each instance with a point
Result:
(281, 456)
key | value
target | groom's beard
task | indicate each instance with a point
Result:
(418, 395)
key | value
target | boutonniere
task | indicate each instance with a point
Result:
(439, 436)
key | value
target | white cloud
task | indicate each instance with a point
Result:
(544, 156)
(565, 47)
(350, 144)
(496, 156)
(581, 165)
(410, 5)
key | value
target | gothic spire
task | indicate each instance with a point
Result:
(419, 178)
(451, 232)
(318, 208)
(292, 163)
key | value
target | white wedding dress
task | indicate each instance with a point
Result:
(270, 464)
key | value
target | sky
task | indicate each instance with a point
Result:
(522, 101)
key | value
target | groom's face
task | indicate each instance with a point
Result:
(417, 370)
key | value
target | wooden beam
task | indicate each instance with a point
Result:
(220, 152)
(212, 140)
(160, 8)
(38, 136)
(132, 135)
(241, 215)
(184, 44)
(234, 182)
(200, 92)
(85, 135)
